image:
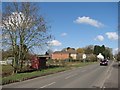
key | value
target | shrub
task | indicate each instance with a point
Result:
(92, 58)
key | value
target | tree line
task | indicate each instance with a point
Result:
(90, 49)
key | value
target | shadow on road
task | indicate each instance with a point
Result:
(115, 66)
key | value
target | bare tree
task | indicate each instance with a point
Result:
(23, 27)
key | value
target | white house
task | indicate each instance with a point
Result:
(73, 55)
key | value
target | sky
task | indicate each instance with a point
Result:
(61, 0)
(81, 24)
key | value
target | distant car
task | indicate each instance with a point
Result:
(104, 62)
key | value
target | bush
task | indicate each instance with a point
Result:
(7, 70)
(92, 58)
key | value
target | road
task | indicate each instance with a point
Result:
(91, 76)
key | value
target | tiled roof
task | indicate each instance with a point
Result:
(61, 52)
(72, 51)
(69, 52)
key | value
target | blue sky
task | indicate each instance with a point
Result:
(81, 24)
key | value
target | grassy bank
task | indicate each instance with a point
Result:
(34, 74)
(30, 75)
(79, 64)
(7, 70)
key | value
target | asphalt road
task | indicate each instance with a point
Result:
(91, 76)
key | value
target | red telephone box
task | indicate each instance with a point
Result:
(35, 63)
(38, 62)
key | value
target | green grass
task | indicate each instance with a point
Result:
(79, 64)
(30, 75)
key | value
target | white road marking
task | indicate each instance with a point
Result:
(70, 76)
(48, 85)
(108, 73)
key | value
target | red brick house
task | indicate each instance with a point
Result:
(59, 55)
(62, 55)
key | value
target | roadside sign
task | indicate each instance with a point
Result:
(84, 56)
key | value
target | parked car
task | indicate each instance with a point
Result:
(104, 62)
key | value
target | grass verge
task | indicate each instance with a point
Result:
(29, 75)
(79, 64)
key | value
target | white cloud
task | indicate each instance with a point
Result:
(88, 20)
(112, 35)
(55, 43)
(56, 49)
(99, 38)
(63, 34)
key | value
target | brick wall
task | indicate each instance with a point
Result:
(61, 56)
